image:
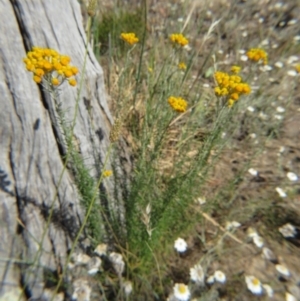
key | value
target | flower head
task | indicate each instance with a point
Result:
(182, 66)
(180, 245)
(48, 64)
(232, 225)
(283, 270)
(129, 38)
(197, 274)
(258, 54)
(258, 241)
(268, 289)
(127, 286)
(235, 69)
(292, 176)
(178, 104)
(281, 192)
(220, 276)
(179, 39)
(254, 285)
(117, 261)
(290, 297)
(107, 173)
(288, 230)
(231, 87)
(181, 292)
(101, 249)
(94, 265)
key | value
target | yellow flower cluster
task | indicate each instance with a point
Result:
(178, 104)
(107, 173)
(230, 86)
(182, 66)
(257, 54)
(297, 67)
(235, 69)
(178, 38)
(49, 64)
(129, 38)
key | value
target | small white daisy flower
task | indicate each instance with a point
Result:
(220, 276)
(268, 254)
(251, 109)
(292, 73)
(268, 289)
(283, 270)
(265, 42)
(206, 85)
(263, 116)
(290, 297)
(278, 64)
(180, 245)
(253, 172)
(201, 200)
(94, 265)
(292, 59)
(288, 230)
(101, 249)
(258, 241)
(280, 109)
(117, 261)
(265, 68)
(292, 22)
(261, 20)
(253, 285)
(210, 279)
(181, 292)
(252, 135)
(252, 233)
(80, 258)
(82, 290)
(278, 117)
(244, 58)
(281, 192)
(292, 176)
(197, 274)
(296, 38)
(127, 286)
(232, 225)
